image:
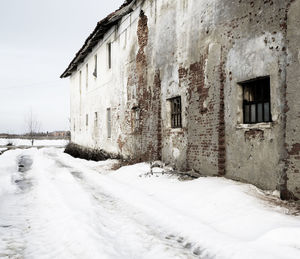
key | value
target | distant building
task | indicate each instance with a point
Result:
(210, 86)
(59, 134)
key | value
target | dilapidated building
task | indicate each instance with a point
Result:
(209, 86)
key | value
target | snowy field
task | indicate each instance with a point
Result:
(37, 143)
(55, 206)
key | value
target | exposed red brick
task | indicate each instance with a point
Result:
(254, 134)
(120, 143)
(295, 150)
(221, 130)
(141, 141)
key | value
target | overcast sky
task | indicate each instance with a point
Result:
(38, 39)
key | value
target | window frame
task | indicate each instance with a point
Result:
(176, 112)
(260, 88)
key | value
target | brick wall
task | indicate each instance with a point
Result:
(143, 143)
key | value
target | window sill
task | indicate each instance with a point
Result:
(176, 130)
(262, 125)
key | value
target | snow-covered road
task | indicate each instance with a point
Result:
(57, 212)
(55, 206)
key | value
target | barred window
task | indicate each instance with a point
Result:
(176, 120)
(256, 100)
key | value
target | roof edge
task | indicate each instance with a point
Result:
(100, 30)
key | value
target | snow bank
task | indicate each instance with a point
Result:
(222, 218)
(8, 168)
(37, 143)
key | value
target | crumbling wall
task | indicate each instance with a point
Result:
(292, 105)
(143, 142)
(253, 42)
(201, 51)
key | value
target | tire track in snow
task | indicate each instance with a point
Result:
(57, 212)
(130, 216)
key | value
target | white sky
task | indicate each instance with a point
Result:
(38, 39)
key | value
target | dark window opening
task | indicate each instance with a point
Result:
(109, 54)
(176, 120)
(87, 76)
(256, 100)
(95, 67)
(80, 79)
(96, 119)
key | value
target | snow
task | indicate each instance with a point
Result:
(3, 149)
(37, 142)
(63, 207)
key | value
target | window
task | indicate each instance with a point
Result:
(108, 111)
(80, 78)
(86, 120)
(87, 76)
(95, 67)
(96, 119)
(135, 118)
(176, 121)
(109, 54)
(256, 100)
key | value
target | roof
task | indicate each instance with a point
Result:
(101, 29)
